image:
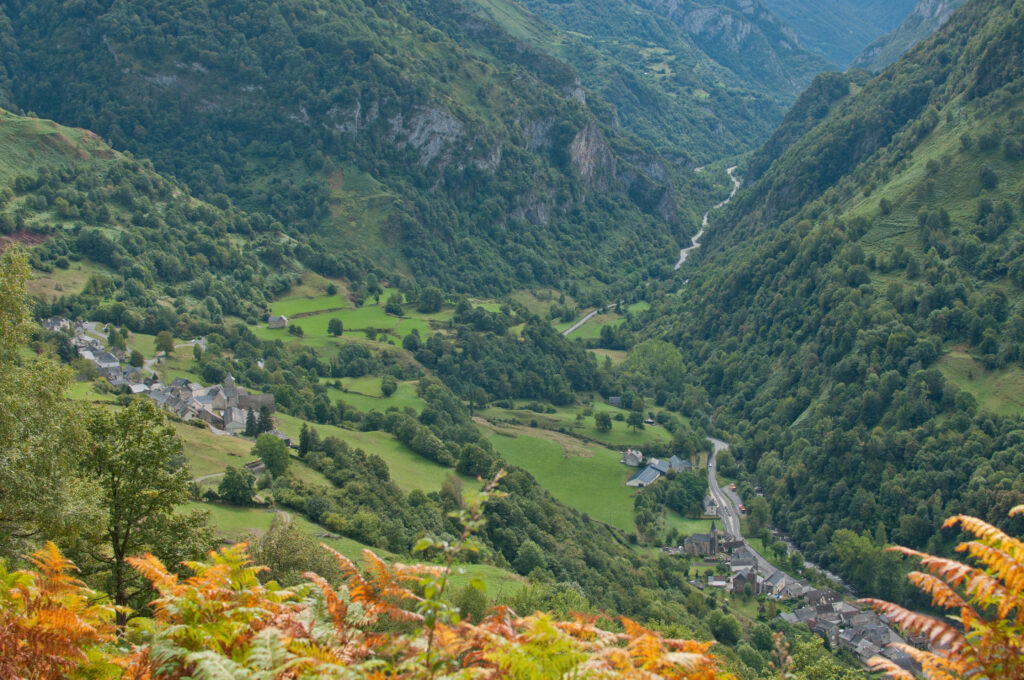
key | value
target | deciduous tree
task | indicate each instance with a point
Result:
(131, 455)
(42, 490)
(273, 452)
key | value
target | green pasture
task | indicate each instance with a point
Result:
(594, 485)
(407, 469)
(70, 281)
(1000, 392)
(620, 436)
(364, 393)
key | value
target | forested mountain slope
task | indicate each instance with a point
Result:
(858, 318)
(840, 29)
(140, 250)
(414, 124)
(926, 17)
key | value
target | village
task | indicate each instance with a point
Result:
(822, 610)
(226, 408)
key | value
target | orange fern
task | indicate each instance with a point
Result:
(51, 624)
(989, 606)
(223, 622)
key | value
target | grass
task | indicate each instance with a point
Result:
(407, 469)
(32, 142)
(364, 393)
(594, 484)
(357, 322)
(616, 356)
(360, 207)
(686, 526)
(1001, 392)
(620, 436)
(209, 454)
(71, 281)
(234, 524)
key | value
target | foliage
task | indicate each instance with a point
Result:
(273, 452)
(988, 602)
(236, 486)
(42, 491)
(51, 624)
(222, 619)
(132, 455)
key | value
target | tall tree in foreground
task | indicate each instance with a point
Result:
(133, 456)
(988, 601)
(42, 492)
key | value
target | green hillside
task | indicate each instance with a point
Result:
(688, 94)
(926, 17)
(857, 318)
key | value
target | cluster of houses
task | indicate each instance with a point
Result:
(224, 406)
(863, 632)
(109, 367)
(653, 468)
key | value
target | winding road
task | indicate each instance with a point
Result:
(695, 241)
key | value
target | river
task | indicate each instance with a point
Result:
(695, 241)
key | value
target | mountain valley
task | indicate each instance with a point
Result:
(318, 271)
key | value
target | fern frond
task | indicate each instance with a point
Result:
(942, 595)
(1005, 565)
(884, 665)
(153, 570)
(939, 633)
(978, 527)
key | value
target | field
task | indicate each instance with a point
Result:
(591, 330)
(70, 281)
(594, 485)
(407, 469)
(364, 393)
(1001, 391)
(620, 436)
(311, 308)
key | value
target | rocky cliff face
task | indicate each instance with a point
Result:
(926, 18)
(592, 160)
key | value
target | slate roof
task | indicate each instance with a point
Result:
(644, 477)
(680, 465)
(660, 465)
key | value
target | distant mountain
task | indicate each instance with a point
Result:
(758, 51)
(713, 78)
(840, 29)
(926, 17)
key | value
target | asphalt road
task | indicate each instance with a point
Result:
(728, 505)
